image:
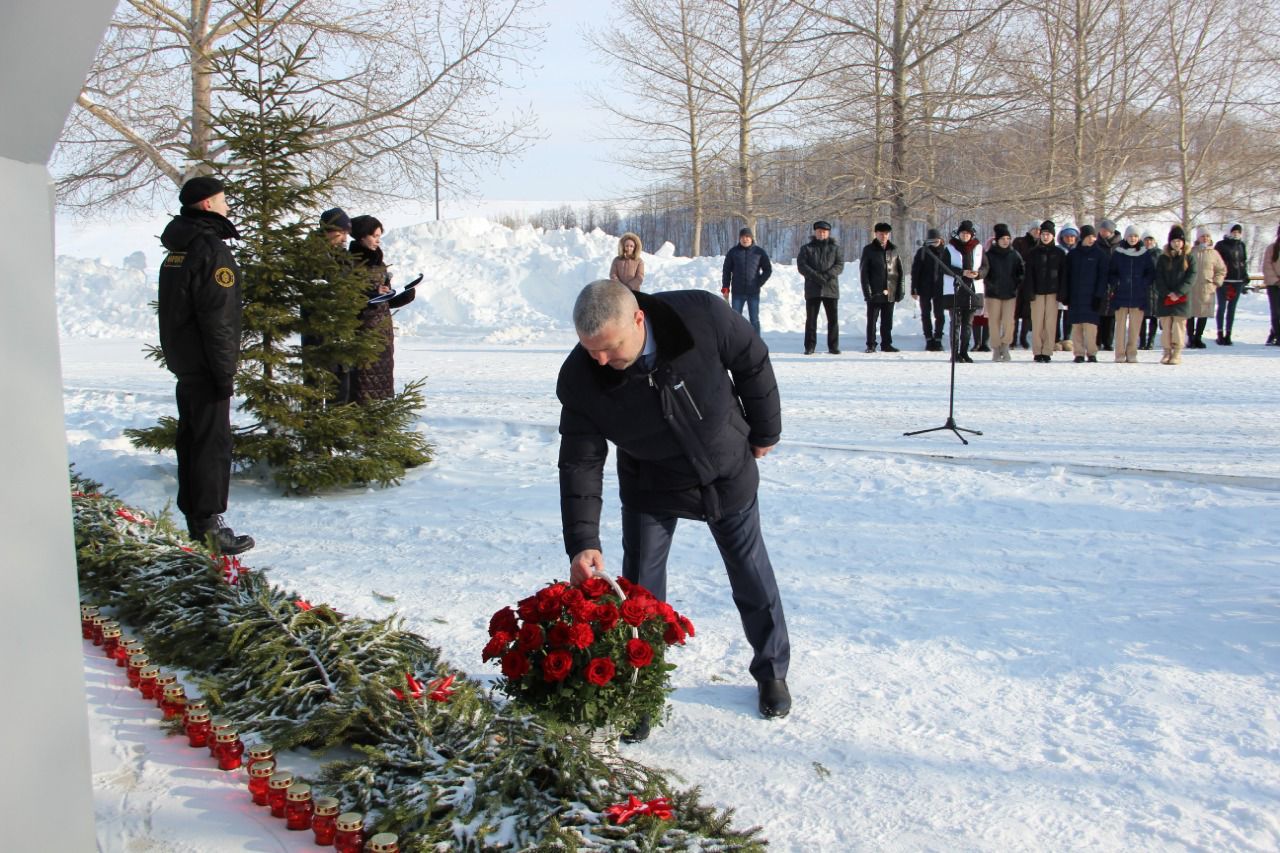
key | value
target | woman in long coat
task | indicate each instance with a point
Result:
(1210, 272)
(375, 381)
(1175, 276)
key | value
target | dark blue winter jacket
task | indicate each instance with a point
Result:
(1131, 277)
(1086, 283)
(745, 270)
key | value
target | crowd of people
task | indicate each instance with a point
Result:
(1071, 291)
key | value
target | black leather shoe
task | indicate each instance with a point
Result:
(775, 699)
(870, 348)
(833, 351)
(639, 732)
(808, 352)
(220, 538)
(888, 348)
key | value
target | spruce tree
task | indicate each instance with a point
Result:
(296, 283)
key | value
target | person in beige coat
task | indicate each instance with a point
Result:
(1271, 283)
(628, 267)
(1210, 272)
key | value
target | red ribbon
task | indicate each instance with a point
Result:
(302, 604)
(414, 691)
(85, 495)
(128, 516)
(633, 807)
(441, 689)
(232, 571)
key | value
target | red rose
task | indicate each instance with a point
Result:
(666, 611)
(606, 616)
(558, 636)
(639, 653)
(673, 634)
(634, 612)
(687, 625)
(595, 587)
(528, 608)
(515, 665)
(549, 601)
(503, 621)
(496, 646)
(578, 605)
(581, 635)
(600, 671)
(556, 666)
(530, 637)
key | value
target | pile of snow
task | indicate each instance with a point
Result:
(499, 284)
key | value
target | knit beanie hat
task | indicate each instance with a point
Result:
(1130, 231)
(198, 189)
(1049, 226)
(336, 219)
(1086, 231)
(746, 232)
(1001, 230)
(1176, 233)
(1235, 226)
(966, 225)
(1068, 230)
(883, 228)
(1107, 224)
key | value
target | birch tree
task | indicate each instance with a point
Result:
(401, 85)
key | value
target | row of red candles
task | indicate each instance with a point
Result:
(267, 786)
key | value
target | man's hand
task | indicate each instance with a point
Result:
(761, 452)
(585, 564)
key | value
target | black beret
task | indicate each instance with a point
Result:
(363, 226)
(198, 189)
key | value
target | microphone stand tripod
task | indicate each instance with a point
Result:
(955, 342)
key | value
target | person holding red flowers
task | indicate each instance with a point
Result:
(1175, 274)
(684, 388)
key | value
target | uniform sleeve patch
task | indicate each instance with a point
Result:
(224, 276)
(175, 259)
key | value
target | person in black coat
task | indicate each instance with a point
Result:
(1108, 240)
(1085, 293)
(1001, 286)
(1044, 276)
(200, 317)
(926, 286)
(684, 388)
(746, 269)
(1236, 255)
(821, 263)
(1023, 246)
(880, 270)
(1150, 323)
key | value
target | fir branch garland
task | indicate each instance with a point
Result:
(471, 773)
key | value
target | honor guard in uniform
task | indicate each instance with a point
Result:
(200, 311)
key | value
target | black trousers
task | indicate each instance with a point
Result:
(204, 450)
(961, 325)
(883, 310)
(931, 316)
(1226, 309)
(1106, 331)
(828, 304)
(646, 541)
(1273, 302)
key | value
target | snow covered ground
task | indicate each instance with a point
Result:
(1065, 635)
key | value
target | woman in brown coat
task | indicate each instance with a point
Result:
(628, 267)
(1210, 272)
(375, 381)
(1271, 282)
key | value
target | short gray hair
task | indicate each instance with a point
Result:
(600, 303)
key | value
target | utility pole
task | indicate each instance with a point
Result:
(437, 165)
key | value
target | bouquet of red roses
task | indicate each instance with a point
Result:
(592, 655)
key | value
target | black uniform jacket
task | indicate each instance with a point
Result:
(200, 299)
(683, 430)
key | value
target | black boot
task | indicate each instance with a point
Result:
(775, 699)
(640, 731)
(221, 539)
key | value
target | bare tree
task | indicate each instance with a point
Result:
(760, 74)
(931, 65)
(662, 99)
(404, 84)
